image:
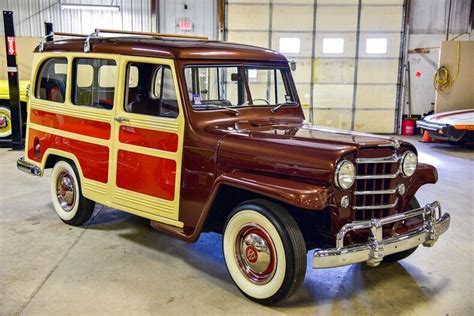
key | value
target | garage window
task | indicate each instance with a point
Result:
(51, 80)
(333, 45)
(376, 45)
(94, 82)
(290, 45)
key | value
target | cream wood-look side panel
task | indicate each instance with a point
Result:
(94, 190)
(91, 189)
(166, 211)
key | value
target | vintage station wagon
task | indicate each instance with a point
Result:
(200, 135)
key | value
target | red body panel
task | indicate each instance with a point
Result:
(146, 174)
(148, 138)
(71, 124)
(93, 159)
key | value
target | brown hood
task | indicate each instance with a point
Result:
(290, 150)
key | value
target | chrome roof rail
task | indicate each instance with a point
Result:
(153, 34)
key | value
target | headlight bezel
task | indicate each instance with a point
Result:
(411, 171)
(339, 168)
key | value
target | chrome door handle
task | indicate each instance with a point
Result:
(121, 119)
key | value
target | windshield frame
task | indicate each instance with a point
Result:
(285, 73)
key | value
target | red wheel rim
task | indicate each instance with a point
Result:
(255, 253)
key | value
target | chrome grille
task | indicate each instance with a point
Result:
(375, 193)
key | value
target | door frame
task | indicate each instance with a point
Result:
(144, 205)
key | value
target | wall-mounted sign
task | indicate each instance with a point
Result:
(11, 45)
(185, 25)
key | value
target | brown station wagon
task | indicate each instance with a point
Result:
(201, 136)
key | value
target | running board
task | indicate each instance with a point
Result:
(185, 234)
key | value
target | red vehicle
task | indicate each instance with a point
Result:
(204, 136)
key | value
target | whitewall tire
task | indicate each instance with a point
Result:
(69, 203)
(264, 251)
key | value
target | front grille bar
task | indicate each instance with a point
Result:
(392, 191)
(389, 159)
(376, 207)
(378, 176)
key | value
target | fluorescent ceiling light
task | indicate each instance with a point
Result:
(98, 7)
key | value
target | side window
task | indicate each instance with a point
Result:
(150, 90)
(93, 82)
(51, 80)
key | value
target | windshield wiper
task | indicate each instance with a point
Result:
(236, 112)
(279, 105)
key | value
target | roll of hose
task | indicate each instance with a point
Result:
(443, 80)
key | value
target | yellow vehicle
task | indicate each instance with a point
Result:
(5, 114)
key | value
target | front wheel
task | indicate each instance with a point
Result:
(264, 251)
(69, 203)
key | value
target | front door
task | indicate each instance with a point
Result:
(148, 138)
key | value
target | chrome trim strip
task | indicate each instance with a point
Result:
(435, 223)
(29, 168)
(393, 158)
(392, 191)
(375, 207)
(378, 176)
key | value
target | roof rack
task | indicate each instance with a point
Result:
(45, 38)
(97, 31)
(87, 45)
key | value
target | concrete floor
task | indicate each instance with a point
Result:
(119, 265)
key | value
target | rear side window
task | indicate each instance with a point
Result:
(150, 90)
(93, 82)
(51, 80)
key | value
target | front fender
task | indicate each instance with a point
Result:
(297, 193)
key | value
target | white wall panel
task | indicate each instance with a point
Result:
(331, 18)
(335, 71)
(381, 18)
(248, 17)
(300, 18)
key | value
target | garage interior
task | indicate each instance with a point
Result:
(361, 65)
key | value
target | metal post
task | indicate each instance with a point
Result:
(13, 84)
(48, 29)
(449, 21)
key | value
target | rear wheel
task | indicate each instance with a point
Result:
(403, 254)
(264, 251)
(69, 203)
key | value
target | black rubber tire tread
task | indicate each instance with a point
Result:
(403, 254)
(86, 206)
(293, 242)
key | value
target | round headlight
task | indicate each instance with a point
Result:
(408, 163)
(345, 174)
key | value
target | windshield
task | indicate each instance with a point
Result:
(211, 87)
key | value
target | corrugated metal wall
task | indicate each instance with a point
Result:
(29, 16)
(201, 13)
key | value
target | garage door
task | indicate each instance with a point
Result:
(347, 52)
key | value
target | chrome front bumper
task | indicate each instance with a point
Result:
(27, 167)
(434, 224)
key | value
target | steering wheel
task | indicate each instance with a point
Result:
(264, 100)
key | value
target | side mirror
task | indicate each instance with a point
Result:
(292, 65)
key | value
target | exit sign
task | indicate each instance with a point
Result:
(185, 25)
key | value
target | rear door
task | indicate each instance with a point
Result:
(148, 138)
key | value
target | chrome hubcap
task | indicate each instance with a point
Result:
(3, 121)
(255, 254)
(65, 191)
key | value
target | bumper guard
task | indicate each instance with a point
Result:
(434, 224)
